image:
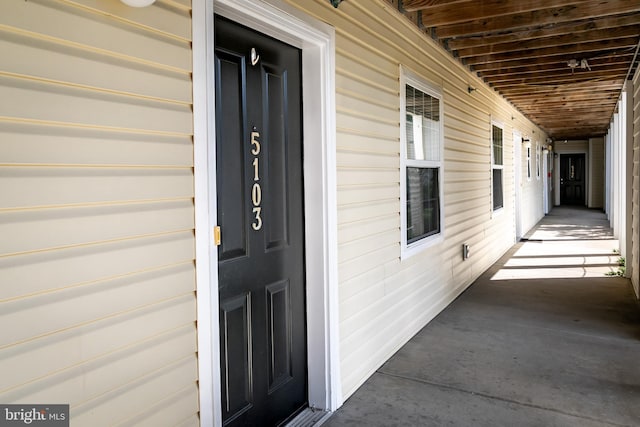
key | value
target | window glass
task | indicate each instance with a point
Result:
(423, 203)
(422, 125)
(497, 145)
(498, 201)
(497, 167)
(537, 161)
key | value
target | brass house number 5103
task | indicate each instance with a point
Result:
(256, 190)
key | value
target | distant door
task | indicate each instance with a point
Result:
(260, 211)
(572, 179)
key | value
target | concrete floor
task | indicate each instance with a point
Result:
(542, 338)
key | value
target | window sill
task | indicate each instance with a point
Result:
(497, 212)
(420, 246)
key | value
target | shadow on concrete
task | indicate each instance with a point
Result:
(557, 344)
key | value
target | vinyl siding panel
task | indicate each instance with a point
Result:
(96, 210)
(385, 300)
(635, 209)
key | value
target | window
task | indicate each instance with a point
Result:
(528, 162)
(421, 163)
(497, 166)
(537, 161)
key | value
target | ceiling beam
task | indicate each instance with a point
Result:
(560, 65)
(583, 10)
(546, 60)
(555, 41)
(555, 77)
(550, 30)
(446, 15)
(582, 113)
(534, 104)
(568, 89)
(575, 51)
(415, 5)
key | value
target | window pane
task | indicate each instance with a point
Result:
(497, 145)
(423, 125)
(423, 203)
(497, 189)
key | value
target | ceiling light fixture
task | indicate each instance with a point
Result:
(138, 3)
(574, 63)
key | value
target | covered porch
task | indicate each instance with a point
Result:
(543, 337)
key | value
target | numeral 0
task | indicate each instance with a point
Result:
(256, 194)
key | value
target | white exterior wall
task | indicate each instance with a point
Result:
(96, 200)
(96, 210)
(383, 300)
(620, 171)
(596, 173)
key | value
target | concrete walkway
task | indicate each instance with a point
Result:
(543, 338)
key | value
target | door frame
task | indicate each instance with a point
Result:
(317, 42)
(545, 181)
(556, 168)
(517, 182)
(557, 165)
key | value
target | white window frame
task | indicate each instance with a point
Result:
(527, 147)
(500, 126)
(407, 77)
(538, 161)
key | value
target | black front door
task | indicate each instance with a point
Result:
(572, 179)
(260, 211)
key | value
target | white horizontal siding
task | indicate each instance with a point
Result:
(96, 210)
(383, 300)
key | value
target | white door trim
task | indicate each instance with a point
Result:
(560, 151)
(204, 204)
(517, 182)
(317, 42)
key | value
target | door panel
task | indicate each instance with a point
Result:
(572, 179)
(230, 70)
(275, 85)
(278, 309)
(236, 354)
(260, 211)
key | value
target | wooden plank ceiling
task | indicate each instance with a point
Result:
(562, 63)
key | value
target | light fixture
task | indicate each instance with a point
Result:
(574, 63)
(138, 3)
